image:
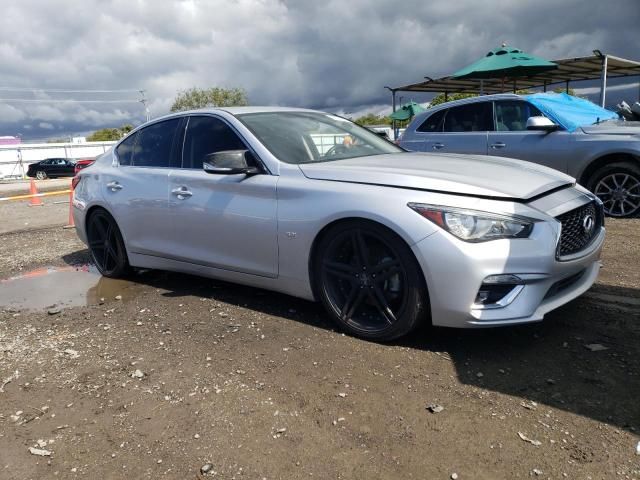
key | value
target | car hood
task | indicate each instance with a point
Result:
(474, 175)
(613, 128)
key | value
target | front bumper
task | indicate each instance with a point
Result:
(454, 271)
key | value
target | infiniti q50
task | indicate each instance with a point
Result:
(312, 205)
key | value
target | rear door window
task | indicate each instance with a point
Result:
(125, 149)
(206, 135)
(156, 146)
(474, 117)
(433, 123)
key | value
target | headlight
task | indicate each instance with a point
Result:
(474, 225)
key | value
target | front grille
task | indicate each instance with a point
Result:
(576, 234)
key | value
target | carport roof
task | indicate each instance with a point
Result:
(569, 70)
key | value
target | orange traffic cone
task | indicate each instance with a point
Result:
(35, 201)
(71, 223)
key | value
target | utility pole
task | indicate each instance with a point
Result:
(143, 101)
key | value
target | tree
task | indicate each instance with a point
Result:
(438, 99)
(372, 119)
(211, 97)
(109, 134)
(564, 90)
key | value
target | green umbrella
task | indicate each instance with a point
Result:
(407, 111)
(505, 62)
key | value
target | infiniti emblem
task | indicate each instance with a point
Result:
(588, 223)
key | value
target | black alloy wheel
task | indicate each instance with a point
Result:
(106, 245)
(369, 281)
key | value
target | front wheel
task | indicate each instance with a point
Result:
(618, 186)
(40, 175)
(106, 245)
(369, 281)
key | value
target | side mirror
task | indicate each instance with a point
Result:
(541, 123)
(229, 162)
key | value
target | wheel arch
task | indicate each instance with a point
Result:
(100, 206)
(347, 219)
(90, 212)
(604, 160)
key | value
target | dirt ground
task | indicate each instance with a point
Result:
(170, 373)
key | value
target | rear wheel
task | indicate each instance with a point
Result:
(618, 186)
(106, 245)
(369, 281)
(41, 175)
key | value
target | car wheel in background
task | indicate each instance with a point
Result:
(41, 175)
(618, 186)
(369, 281)
(106, 245)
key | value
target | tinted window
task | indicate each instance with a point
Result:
(155, 145)
(207, 135)
(474, 117)
(125, 149)
(433, 123)
(512, 115)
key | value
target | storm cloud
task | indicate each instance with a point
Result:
(334, 55)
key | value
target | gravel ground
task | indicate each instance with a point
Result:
(170, 373)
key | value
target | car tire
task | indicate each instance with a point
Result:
(369, 281)
(618, 186)
(41, 175)
(106, 245)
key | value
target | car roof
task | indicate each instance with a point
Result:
(229, 110)
(235, 111)
(480, 98)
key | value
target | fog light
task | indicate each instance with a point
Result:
(490, 294)
(498, 291)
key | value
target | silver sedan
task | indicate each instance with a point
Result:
(312, 205)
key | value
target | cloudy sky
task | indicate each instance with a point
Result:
(58, 56)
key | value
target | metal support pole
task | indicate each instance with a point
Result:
(143, 101)
(481, 87)
(393, 107)
(515, 88)
(603, 81)
(567, 88)
(446, 96)
(545, 87)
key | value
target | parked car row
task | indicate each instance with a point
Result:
(385, 239)
(563, 132)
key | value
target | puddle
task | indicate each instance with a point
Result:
(63, 287)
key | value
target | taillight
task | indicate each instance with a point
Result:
(75, 181)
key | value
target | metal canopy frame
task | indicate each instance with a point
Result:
(598, 66)
(595, 67)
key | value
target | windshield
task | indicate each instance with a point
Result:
(306, 137)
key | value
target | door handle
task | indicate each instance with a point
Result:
(498, 145)
(437, 146)
(181, 193)
(114, 186)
